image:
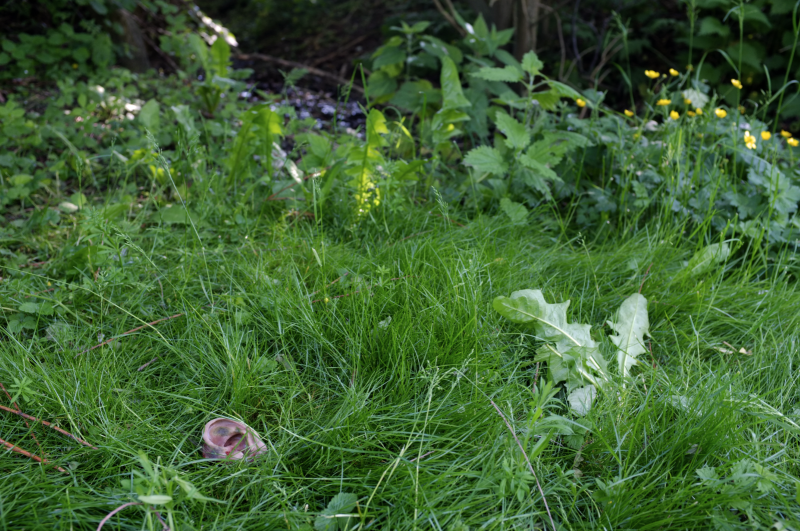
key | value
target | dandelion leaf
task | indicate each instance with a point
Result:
(631, 325)
(581, 399)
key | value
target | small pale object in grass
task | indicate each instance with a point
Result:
(580, 103)
(766, 135)
(628, 113)
(786, 134)
(741, 109)
(230, 439)
(673, 72)
(736, 83)
(674, 115)
(690, 114)
(652, 74)
(663, 102)
(721, 113)
(792, 142)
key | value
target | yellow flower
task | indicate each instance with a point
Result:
(635, 136)
(749, 140)
(793, 142)
(691, 113)
(674, 115)
(687, 101)
(741, 109)
(663, 102)
(736, 83)
(580, 103)
(699, 111)
(766, 135)
(786, 134)
(652, 74)
(721, 113)
(74, 65)
(673, 72)
(628, 113)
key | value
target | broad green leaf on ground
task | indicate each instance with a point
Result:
(184, 116)
(516, 212)
(517, 135)
(451, 86)
(486, 159)
(341, 504)
(631, 325)
(509, 74)
(176, 214)
(705, 259)
(581, 399)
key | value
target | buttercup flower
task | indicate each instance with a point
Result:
(628, 113)
(687, 101)
(691, 113)
(749, 140)
(766, 135)
(792, 142)
(652, 74)
(663, 102)
(786, 134)
(674, 115)
(741, 109)
(580, 103)
(721, 113)
(736, 83)
(699, 111)
(673, 72)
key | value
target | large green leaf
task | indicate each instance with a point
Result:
(510, 74)
(631, 325)
(342, 503)
(531, 63)
(516, 212)
(517, 135)
(451, 86)
(486, 159)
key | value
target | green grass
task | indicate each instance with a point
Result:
(400, 413)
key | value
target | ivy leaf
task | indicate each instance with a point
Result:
(631, 325)
(509, 74)
(451, 86)
(486, 159)
(517, 135)
(704, 259)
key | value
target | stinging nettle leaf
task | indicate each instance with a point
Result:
(517, 135)
(531, 63)
(631, 325)
(509, 74)
(486, 159)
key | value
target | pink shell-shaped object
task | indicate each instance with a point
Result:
(230, 439)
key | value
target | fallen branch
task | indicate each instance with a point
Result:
(48, 424)
(18, 409)
(15, 448)
(291, 64)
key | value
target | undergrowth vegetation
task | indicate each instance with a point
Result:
(499, 304)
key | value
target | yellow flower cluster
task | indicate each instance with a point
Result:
(736, 83)
(652, 74)
(789, 140)
(749, 140)
(673, 72)
(580, 103)
(628, 113)
(663, 102)
(721, 113)
(674, 115)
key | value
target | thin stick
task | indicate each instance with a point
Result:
(530, 466)
(26, 422)
(107, 341)
(291, 64)
(112, 513)
(15, 448)
(645, 277)
(48, 424)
